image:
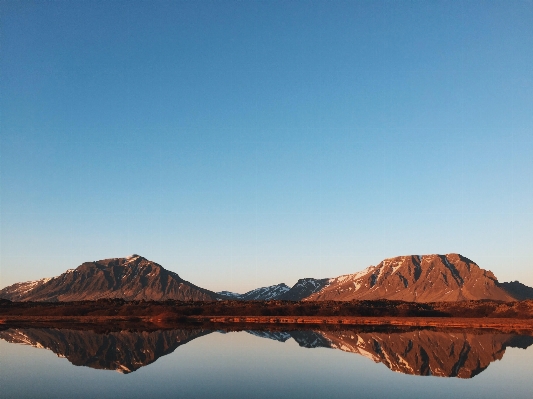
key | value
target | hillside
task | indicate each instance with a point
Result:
(130, 278)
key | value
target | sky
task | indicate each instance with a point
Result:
(244, 144)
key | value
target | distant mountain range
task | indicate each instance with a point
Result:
(414, 278)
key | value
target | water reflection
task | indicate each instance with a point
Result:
(420, 352)
(456, 353)
(122, 351)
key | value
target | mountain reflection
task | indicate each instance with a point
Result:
(420, 352)
(457, 353)
(122, 351)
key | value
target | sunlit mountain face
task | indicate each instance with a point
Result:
(412, 278)
(457, 353)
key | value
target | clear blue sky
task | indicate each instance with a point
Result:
(243, 144)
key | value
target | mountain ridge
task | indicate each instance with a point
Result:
(129, 278)
(413, 278)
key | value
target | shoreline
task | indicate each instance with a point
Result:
(444, 322)
(165, 321)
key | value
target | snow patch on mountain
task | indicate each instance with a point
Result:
(259, 294)
(351, 277)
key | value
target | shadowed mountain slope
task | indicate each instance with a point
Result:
(517, 290)
(304, 288)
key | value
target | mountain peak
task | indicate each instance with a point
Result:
(413, 278)
(133, 257)
(130, 278)
(417, 278)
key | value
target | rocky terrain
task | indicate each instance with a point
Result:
(130, 278)
(259, 294)
(304, 288)
(413, 278)
(427, 278)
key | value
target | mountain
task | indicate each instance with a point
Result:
(413, 278)
(304, 288)
(259, 294)
(427, 278)
(517, 290)
(130, 278)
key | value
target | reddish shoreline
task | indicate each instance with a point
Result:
(442, 322)
(448, 322)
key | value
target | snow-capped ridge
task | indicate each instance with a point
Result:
(259, 294)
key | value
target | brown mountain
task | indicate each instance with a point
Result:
(413, 278)
(123, 351)
(130, 278)
(427, 278)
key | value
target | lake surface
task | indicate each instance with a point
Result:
(199, 363)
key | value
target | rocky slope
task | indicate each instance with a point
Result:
(259, 294)
(427, 278)
(304, 288)
(413, 278)
(130, 278)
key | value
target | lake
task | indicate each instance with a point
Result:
(347, 362)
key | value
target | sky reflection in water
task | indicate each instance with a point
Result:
(264, 364)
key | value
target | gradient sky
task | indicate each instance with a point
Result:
(243, 144)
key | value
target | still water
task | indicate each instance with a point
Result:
(199, 363)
